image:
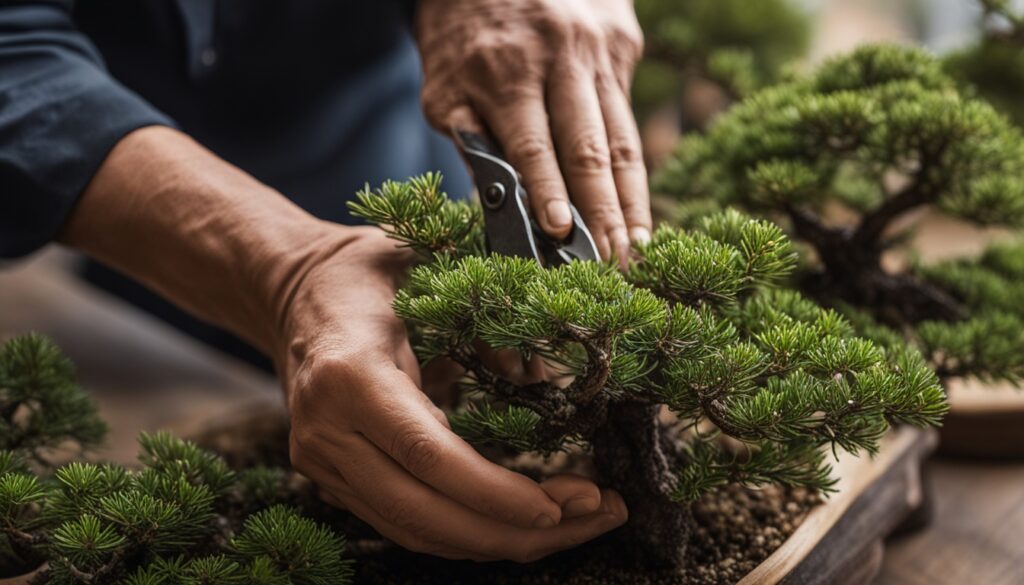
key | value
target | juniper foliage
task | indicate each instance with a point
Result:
(183, 518)
(881, 133)
(696, 324)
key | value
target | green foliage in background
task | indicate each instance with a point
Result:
(697, 323)
(993, 67)
(183, 517)
(737, 44)
(881, 132)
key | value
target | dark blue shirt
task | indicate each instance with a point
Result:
(313, 97)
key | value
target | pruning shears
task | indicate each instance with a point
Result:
(508, 226)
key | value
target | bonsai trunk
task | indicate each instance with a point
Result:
(634, 457)
(853, 271)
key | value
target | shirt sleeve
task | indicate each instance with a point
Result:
(60, 115)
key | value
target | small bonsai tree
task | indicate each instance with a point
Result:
(993, 67)
(696, 325)
(879, 133)
(41, 408)
(183, 518)
(733, 45)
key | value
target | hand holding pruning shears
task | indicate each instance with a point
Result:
(550, 80)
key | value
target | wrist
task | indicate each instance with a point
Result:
(347, 277)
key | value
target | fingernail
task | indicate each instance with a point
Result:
(558, 213)
(579, 506)
(639, 234)
(543, 521)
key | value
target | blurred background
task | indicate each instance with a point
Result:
(704, 54)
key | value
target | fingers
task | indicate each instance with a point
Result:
(576, 495)
(462, 117)
(582, 143)
(509, 364)
(626, 159)
(420, 518)
(396, 421)
(521, 126)
(337, 493)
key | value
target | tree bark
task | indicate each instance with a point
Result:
(634, 457)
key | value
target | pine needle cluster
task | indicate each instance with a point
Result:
(879, 133)
(183, 518)
(697, 324)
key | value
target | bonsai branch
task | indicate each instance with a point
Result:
(869, 232)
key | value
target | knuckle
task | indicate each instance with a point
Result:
(585, 33)
(332, 367)
(418, 451)
(626, 40)
(401, 513)
(529, 148)
(588, 153)
(625, 152)
(324, 383)
(499, 59)
(607, 216)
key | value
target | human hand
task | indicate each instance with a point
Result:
(550, 79)
(374, 443)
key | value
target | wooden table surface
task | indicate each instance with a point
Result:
(146, 376)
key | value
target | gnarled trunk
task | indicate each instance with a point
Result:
(632, 456)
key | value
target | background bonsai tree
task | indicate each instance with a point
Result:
(877, 135)
(732, 45)
(44, 415)
(695, 325)
(184, 517)
(993, 67)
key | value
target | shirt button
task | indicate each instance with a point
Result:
(208, 57)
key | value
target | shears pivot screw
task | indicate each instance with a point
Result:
(494, 195)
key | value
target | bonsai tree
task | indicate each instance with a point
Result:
(184, 517)
(696, 326)
(41, 408)
(732, 45)
(993, 67)
(877, 135)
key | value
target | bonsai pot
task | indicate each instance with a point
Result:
(839, 540)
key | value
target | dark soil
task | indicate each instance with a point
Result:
(736, 529)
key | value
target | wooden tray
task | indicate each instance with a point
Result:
(984, 421)
(841, 541)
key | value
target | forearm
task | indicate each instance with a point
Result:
(199, 231)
